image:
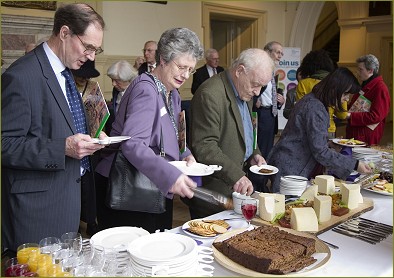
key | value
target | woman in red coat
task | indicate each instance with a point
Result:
(368, 126)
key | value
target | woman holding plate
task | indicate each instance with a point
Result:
(303, 149)
(149, 113)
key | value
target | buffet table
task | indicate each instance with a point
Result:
(353, 258)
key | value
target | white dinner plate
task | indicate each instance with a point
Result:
(111, 140)
(196, 169)
(255, 169)
(234, 224)
(336, 141)
(118, 237)
(162, 247)
(379, 192)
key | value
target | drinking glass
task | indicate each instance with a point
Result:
(62, 253)
(25, 250)
(15, 269)
(249, 209)
(74, 239)
(49, 245)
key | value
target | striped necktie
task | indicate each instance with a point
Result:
(214, 71)
(274, 98)
(76, 108)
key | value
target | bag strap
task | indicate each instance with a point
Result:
(162, 152)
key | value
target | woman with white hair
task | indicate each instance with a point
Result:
(368, 125)
(121, 73)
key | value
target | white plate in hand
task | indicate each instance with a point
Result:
(195, 169)
(255, 169)
(111, 140)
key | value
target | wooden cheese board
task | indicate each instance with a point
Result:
(367, 205)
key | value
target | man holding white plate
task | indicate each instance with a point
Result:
(222, 129)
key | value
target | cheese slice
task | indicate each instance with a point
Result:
(279, 203)
(326, 184)
(351, 195)
(304, 219)
(309, 193)
(322, 207)
(267, 207)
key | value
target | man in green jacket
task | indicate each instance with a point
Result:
(221, 127)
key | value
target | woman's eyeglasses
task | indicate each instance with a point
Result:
(185, 69)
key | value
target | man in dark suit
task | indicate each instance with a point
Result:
(150, 57)
(42, 150)
(210, 68)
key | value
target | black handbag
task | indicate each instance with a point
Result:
(129, 189)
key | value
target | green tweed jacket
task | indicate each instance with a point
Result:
(217, 134)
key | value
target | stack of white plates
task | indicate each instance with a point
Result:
(113, 243)
(164, 254)
(293, 185)
(366, 154)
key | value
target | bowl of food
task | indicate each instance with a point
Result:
(237, 200)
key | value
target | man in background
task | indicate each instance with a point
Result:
(150, 57)
(210, 68)
(221, 127)
(268, 103)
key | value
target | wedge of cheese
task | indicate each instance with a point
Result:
(310, 193)
(304, 219)
(326, 184)
(350, 195)
(270, 204)
(322, 207)
(267, 207)
(360, 197)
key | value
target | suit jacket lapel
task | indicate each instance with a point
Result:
(54, 87)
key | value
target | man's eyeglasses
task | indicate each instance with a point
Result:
(148, 50)
(89, 49)
(184, 69)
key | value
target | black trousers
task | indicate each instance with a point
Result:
(109, 218)
(267, 128)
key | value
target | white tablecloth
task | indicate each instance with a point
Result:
(353, 258)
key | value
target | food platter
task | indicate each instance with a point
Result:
(234, 224)
(367, 205)
(378, 191)
(256, 169)
(341, 142)
(322, 252)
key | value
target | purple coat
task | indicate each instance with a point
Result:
(145, 118)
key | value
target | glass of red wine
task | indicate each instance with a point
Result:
(249, 209)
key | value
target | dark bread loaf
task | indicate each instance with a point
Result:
(269, 250)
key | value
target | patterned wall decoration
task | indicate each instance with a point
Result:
(42, 5)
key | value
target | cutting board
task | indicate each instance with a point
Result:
(367, 205)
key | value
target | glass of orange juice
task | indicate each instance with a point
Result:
(40, 261)
(25, 250)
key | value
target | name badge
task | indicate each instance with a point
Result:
(163, 111)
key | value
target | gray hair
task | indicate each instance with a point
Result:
(270, 46)
(123, 71)
(209, 52)
(254, 59)
(178, 41)
(370, 62)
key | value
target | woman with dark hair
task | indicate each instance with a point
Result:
(316, 65)
(303, 145)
